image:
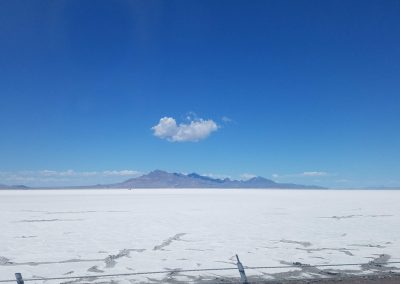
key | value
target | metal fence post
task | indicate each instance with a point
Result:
(19, 278)
(243, 278)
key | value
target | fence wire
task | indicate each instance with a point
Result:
(377, 264)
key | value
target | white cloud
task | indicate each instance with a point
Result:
(67, 173)
(65, 177)
(217, 176)
(72, 173)
(226, 119)
(314, 174)
(303, 174)
(194, 131)
(247, 176)
(121, 173)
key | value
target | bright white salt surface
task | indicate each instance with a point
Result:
(41, 231)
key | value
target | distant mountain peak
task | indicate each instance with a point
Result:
(157, 172)
(259, 178)
(206, 178)
(163, 179)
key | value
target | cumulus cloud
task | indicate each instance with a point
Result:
(195, 130)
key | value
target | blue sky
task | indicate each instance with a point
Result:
(299, 91)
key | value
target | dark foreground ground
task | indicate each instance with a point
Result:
(370, 279)
(378, 278)
(377, 271)
(390, 278)
(385, 278)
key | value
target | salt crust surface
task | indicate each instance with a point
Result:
(50, 233)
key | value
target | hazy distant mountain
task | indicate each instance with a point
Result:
(381, 188)
(162, 179)
(4, 186)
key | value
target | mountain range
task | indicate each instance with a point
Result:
(4, 186)
(163, 179)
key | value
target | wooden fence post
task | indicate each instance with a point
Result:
(243, 278)
(19, 278)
